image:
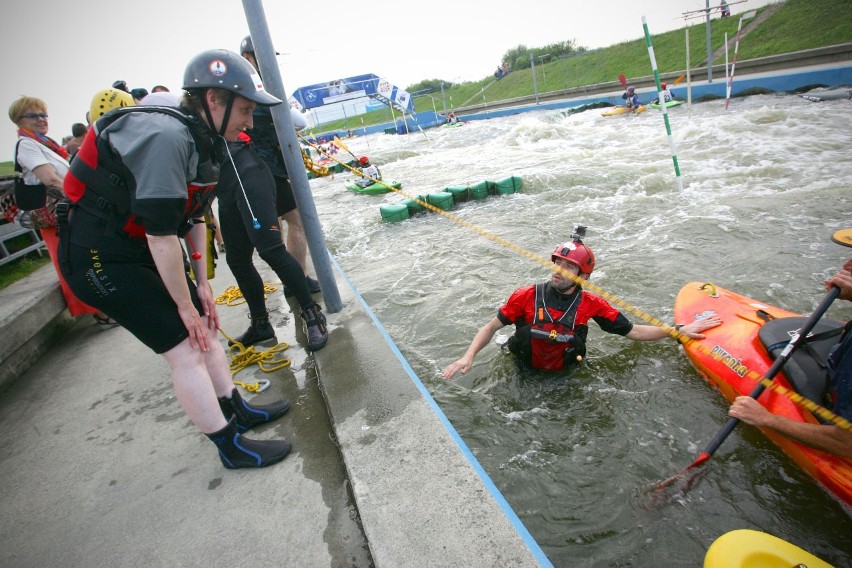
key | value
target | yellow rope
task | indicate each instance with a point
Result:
(241, 356)
(233, 296)
(259, 386)
(267, 360)
(614, 300)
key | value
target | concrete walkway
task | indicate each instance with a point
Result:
(101, 467)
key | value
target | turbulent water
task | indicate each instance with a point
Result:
(765, 184)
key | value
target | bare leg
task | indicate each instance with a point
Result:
(218, 233)
(199, 379)
(296, 240)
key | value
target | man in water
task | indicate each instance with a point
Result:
(551, 318)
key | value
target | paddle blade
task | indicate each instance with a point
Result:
(702, 457)
(679, 79)
(623, 80)
(340, 144)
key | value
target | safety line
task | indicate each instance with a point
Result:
(795, 397)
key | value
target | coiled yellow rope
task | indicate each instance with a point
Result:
(241, 356)
(267, 360)
(233, 296)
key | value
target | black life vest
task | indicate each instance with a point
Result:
(105, 191)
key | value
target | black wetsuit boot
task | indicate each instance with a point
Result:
(259, 330)
(237, 451)
(247, 415)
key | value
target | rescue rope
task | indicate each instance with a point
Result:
(233, 296)
(267, 361)
(241, 356)
(796, 398)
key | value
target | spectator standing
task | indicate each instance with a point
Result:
(43, 165)
(78, 131)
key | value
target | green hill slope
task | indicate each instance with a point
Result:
(793, 25)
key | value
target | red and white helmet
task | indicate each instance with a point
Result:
(576, 252)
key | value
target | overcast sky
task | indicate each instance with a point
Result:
(65, 51)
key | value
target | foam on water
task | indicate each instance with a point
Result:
(765, 184)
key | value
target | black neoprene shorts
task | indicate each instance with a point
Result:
(130, 291)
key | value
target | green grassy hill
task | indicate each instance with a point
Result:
(795, 25)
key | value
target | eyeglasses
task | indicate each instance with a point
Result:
(35, 115)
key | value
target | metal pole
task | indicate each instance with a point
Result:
(444, 97)
(709, 48)
(265, 53)
(688, 74)
(535, 86)
(728, 92)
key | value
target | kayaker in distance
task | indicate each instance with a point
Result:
(667, 94)
(826, 437)
(370, 172)
(631, 98)
(551, 318)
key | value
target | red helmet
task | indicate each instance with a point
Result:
(576, 253)
(663, 85)
(364, 160)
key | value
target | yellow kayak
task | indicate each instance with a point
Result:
(622, 110)
(746, 548)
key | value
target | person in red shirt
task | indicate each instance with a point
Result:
(551, 318)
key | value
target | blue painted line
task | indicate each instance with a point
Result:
(507, 509)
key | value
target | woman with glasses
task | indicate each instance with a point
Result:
(45, 162)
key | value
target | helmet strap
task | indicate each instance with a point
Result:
(227, 115)
(229, 105)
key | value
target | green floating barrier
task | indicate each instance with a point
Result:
(394, 212)
(459, 193)
(413, 207)
(450, 196)
(508, 185)
(479, 190)
(441, 200)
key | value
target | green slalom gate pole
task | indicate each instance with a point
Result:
(662, 103)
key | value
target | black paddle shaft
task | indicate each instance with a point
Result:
(777, 364)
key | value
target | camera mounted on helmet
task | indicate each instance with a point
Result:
(576, 252)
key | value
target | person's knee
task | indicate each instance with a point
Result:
(241, 268)
(274, 253)
(293, 219)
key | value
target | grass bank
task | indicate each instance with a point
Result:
(795, 25)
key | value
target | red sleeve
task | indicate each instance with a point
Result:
(519, 306)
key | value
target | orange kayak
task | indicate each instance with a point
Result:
(729, 354)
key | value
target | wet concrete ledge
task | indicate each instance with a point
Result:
(32, 319)
(422, 498)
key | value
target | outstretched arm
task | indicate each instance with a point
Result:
(480, 340)
(653, 333)
(825, 437)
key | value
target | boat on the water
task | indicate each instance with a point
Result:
(746, 548)
(376, 188)
(616, 110)
(820, 95)
(735, 354)
(669, 104)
